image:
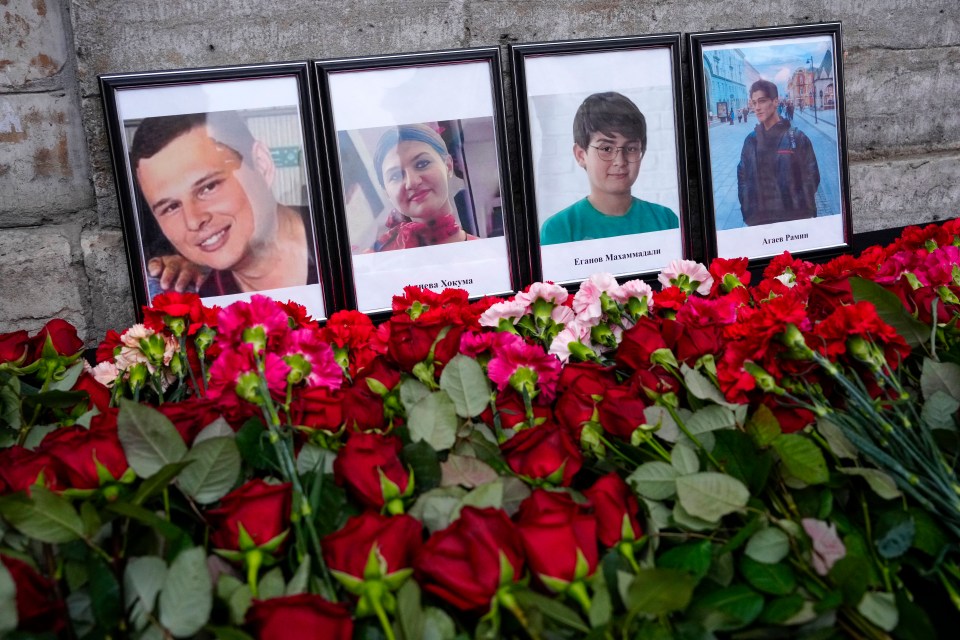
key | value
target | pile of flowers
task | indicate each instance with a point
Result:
(712, 458)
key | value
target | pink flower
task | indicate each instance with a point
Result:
(323, 368)
(544, 290)
(572, 333)
(524, 366)
(511, 310)
(827, 546)
(246, 317)
(475, 344)
(587, 301)
(687, 275)
(234, 375)
(633, 289)
(105, 373)
(562, 315)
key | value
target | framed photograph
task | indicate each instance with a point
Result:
(418, 174)
(772, 141)
(600, 131)
(215, 178)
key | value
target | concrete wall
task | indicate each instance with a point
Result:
(61, 251)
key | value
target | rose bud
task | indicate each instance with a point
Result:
(621, 411)
(560, 539)
(255, 515)
(615, 509)
(546, 453)
(369, 467)
(14, 347)
(62, 337)
(38, 609)
(20, 468)
(299, 617)
(372, 556)
(473, 560)
(88, 458)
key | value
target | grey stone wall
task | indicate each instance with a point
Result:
(61, 251)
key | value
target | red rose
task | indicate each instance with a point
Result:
(791, 419)
(615, 508)
(639, 342)
(654, 382)
(78, 450)
(62, 334)
(362, 461)
(38, 609)
(20, 468)
(545, 452)
(621, 411)
(318, 408)
(461, 564)
(581, 386)
(99, 394)
(263, 510)
(190, 416)
(511, 410)
(362, 408)
(397, 538)
(554, 529)
(299, 617)
(14, 347)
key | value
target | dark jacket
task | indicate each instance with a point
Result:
(777, 177)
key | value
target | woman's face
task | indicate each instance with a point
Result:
(415, 177)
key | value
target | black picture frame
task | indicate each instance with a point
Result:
(811, 135)
(275, 104)
(458, 92)
(551, 80)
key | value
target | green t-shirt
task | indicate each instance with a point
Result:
(581, 221)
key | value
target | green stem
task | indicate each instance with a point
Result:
(383, 618)
(693, 438)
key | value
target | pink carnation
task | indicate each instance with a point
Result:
(544, 290)
(324, 370)
(575, 331)
(511, 310)
(587, 301)
(515, 354)
(633, 289)
(694, 272)
(261, 311)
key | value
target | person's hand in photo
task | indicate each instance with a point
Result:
(176, 273)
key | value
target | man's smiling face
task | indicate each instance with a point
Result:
(214, 208)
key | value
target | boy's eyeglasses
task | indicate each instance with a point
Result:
(607, 152)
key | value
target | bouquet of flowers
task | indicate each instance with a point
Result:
(714, 458)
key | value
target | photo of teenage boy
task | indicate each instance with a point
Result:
(778, 177)
(207, 182)
(610, 140)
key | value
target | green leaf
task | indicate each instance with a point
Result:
(10, 403)
(69, 378)
(914, 623)
(836, 440)
(300, 581)
(464, 471)
(710, 496)
(763, 426)
(8, 601)
(551, 608)
(702, 387)
(654, 480)
(682, 519)
(254, 448)
(780, 610)
(738, 455)
(36, 435)
(486, 495)
(768, 545)
(890, 310)
(409, 611)
(894, 533)
(851, 574)
(881, 483)
(422, 459)
(437, 624)
(167, 529)
(775, 579)
(728, 609)
(434, 420)
(694, 557)
(435, 508)
(271, 584)
(157, 482)
(802, 458)
(412, 391)
(104, 593)
(149, 439)
(659, 591)
(187, 595)
(940, 376)
(880, 609)
(315, 459)
(142, 580)
(929, 537)
(228, 633)
(684, 459)
(213, 470)
(601, 604)
(939, 410)
(711, 418)
(44, 516)
(467, 385)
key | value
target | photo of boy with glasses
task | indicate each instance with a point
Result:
(610, 140)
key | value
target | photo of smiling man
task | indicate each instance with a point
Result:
(209, 186)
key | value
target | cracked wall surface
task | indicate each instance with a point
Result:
(61, 249)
